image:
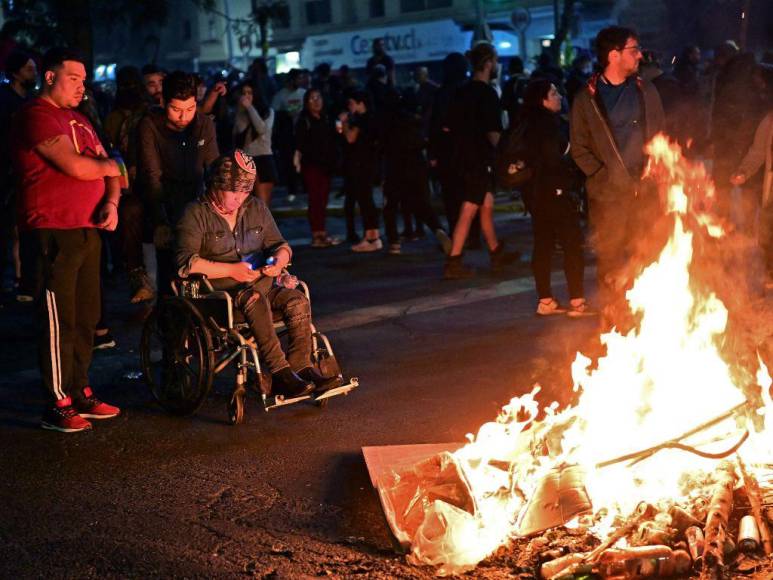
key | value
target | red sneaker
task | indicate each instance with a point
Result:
(63, 417)
(92, 408)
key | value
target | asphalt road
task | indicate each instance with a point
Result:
(285, 495)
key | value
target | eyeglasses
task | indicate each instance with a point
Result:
(635, 48)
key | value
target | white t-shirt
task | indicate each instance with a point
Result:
(290, 101)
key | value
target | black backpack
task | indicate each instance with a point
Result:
(511, 169)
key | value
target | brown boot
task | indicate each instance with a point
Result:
(455, 270)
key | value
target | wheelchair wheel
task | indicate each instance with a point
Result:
(236, 407)
(177, 357)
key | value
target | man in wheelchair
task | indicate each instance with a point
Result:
(230, 236)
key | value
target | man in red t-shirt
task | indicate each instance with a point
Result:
(68, 190)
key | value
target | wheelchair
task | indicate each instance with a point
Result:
(196, 334)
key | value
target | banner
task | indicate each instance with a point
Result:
(425, 41)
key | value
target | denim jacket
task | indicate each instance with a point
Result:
(203, 233)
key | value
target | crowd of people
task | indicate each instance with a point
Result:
(173, 160)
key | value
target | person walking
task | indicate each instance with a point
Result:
(554, 205)
(315, 157)
(612, 118)
(69, 189)
(252, 130)
(475, 127)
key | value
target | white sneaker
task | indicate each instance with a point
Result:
(549, 308)
(367, 245)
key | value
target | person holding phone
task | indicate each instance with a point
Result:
(222, 235)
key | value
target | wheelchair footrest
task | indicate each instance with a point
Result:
(271, 402)
(353, 383)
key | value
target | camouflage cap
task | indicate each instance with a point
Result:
(233, 172)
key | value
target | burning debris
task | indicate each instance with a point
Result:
(636, 479)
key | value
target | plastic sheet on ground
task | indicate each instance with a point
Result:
(408, 496)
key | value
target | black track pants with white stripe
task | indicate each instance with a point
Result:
(68, 302)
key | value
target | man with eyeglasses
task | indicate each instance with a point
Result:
(612, 119)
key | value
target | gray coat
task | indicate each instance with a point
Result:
(593, 147)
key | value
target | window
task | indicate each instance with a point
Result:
(318, 12)
(376, 8)
(418, 5)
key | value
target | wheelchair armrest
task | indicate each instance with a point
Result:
(190, 286)
(203, 279)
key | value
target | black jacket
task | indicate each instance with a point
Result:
(316, 140)
(171, 165)
(546, 140)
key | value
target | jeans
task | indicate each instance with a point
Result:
(316, 179)
(294, 309)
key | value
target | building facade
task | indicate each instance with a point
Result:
(340, 32)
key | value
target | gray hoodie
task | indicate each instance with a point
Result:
(261, 138)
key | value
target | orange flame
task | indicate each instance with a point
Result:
(659, 380)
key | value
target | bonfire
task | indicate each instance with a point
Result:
(662, 460)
